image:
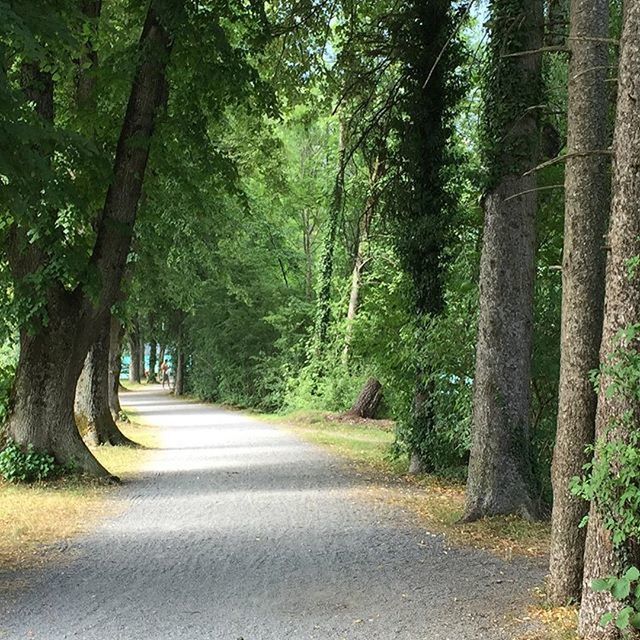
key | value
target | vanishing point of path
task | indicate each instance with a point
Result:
(240, 531)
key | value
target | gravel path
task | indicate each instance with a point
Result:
(240, 531)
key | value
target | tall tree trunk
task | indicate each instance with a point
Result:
(364, 225)
(52, 355)
(153, 353)
(501, 479)
(135, 375)
(307, 245)
(178, 388)
(86, 97)
(141, 350)
(326, 270)
(586, 208)
(44, 391)
(92, 408)
(622, 310)
(557, 21)
(116, 336)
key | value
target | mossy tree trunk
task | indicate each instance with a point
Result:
(501, 479)
(323, 313)
(376, 173)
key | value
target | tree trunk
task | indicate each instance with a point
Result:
(178, 388)
(622, 310)
(44, 390)
(86, 97)
(92, 409)
(116, 336)
(557, 21)
(501, 479)
(134, 351)
(326, 270)
(368, 401)
(153, 352)
(364, 226)
(586, 208)
(142, 357)
(52, 355)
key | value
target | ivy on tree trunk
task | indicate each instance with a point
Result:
(501, 478)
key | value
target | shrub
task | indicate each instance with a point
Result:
(18, 465)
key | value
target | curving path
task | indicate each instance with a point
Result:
(240, 531)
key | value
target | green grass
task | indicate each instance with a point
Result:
(359, 441)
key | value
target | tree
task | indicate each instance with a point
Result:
(586, 207)
(52, 353)
(135, 372)
(326, 267)
(363, 229)
(116, 334)
(500, 478)
(618, 409)
(423, 205)
(92, 404)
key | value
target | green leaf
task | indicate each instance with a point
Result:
(622, 619)
(634, 620)
(606, 619)
(632, 574)
(601, 584)
(621, 589)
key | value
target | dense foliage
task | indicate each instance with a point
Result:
(306, 213)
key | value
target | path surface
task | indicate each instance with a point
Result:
(240, 531)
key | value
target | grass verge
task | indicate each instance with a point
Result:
(34, 518)
(550, 623)
(438, 503)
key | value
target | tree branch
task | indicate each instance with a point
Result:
(567, 156)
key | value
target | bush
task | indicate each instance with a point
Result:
(17, 465)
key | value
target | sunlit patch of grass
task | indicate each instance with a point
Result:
(438, 503)
(44, 513)
(34, 517)
(125, 462)
(550, 623)
(361, 442)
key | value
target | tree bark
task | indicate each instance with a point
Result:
(141, 350)
(178, 388)
(368, 401)
(44, 391)
(622, 310)
(88, 63)
(52, 354)
(326, 271)
(587, 193)
(116, 336)
(557, 21)
(92, 407)
(364, 226)
(501, 479)
(153, 353)
(135, 375)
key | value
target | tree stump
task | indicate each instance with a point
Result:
(368, 401)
